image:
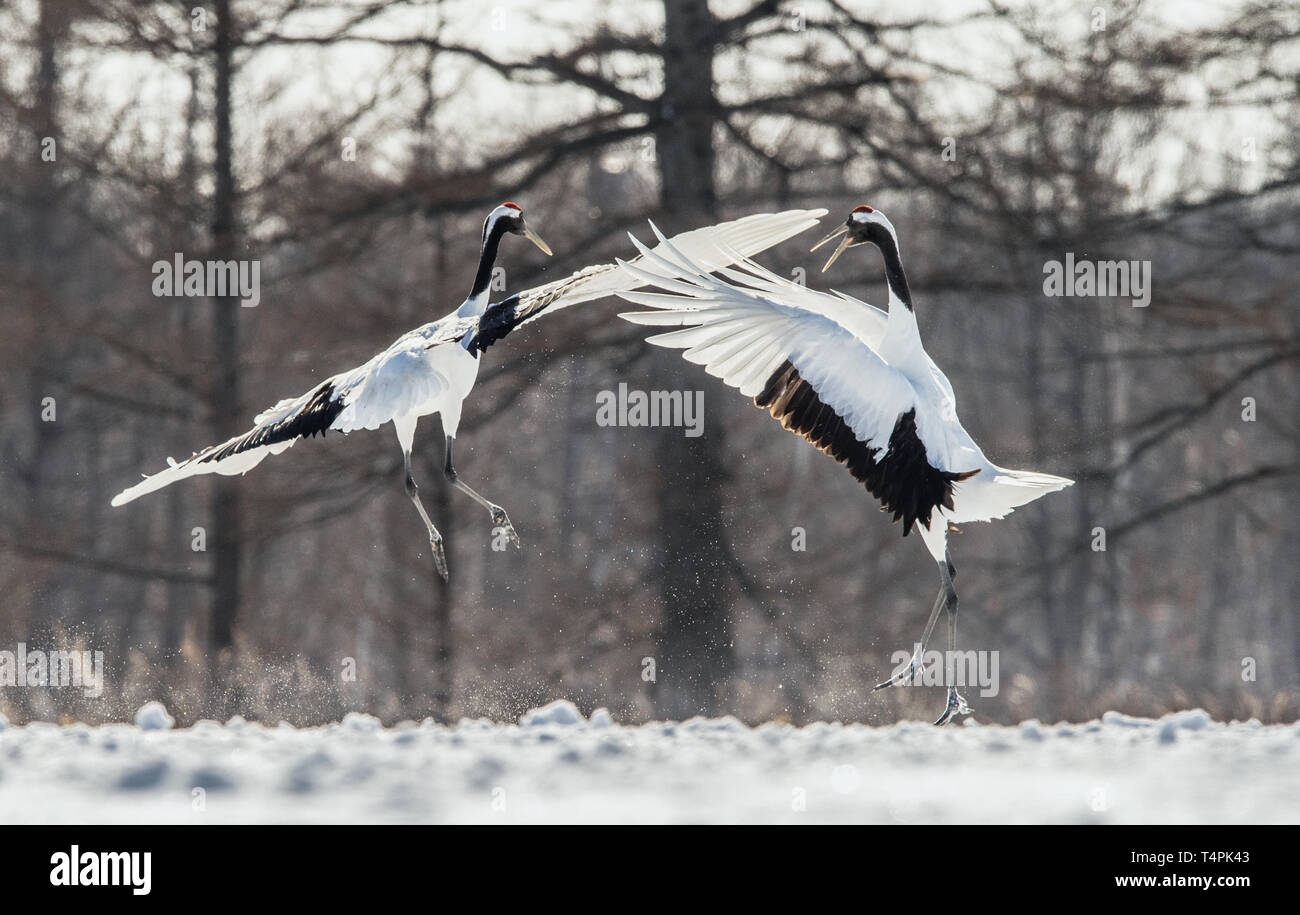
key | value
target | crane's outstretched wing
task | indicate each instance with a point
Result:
(711, 247)
(406, 374)
(390, 384)
(807, 369)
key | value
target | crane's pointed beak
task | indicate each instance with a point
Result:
(837, 233)
(844, 246)
(537, 240)
(846, 243)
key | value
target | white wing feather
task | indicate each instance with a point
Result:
(711, 247)
(742, 335)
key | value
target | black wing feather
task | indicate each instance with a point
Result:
(902, 478)
(316, 416)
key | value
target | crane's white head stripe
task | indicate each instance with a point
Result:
(865, 216)
(511, 210)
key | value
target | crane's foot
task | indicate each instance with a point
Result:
(439, 557)
(912, 671)
(502, 520)
(956, 706)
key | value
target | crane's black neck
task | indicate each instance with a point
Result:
(879, 236)
(487, 257)
(895, 274)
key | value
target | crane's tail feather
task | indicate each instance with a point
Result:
(990, 496)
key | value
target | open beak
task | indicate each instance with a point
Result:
(537, 240)
(845, 244)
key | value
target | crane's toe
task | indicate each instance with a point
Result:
(439, 558)
(911, 673)
(500, 520)
(956, 706)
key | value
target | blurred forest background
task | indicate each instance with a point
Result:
(997, 136)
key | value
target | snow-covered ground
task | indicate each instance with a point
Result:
(556, 766)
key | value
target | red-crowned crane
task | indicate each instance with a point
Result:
(853, 380)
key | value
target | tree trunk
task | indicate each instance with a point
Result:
(227, 412)
(696, 654)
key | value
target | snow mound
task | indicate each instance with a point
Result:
(561, 712)
(556, 766)
(152, 716)
(359, 721)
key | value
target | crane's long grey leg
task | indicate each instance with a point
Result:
(916, 665)
(435, 538)
(956, 703)
(405, 427)
(945, 601)
(499, 516)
